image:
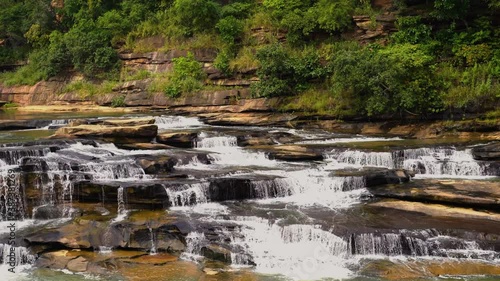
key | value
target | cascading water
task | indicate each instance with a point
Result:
(188, 194)
(297, 251)
(440, 161)
(361, 158)
(194, 243)
(227, 152)
(15, 256)
(177, 122)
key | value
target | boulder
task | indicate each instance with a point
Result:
(294, 153)
(489, 152)
(216, 252)
(156, 164)
(177, 139)
(78, 264)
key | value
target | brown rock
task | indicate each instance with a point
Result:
(96, 131)
(78, 265)
(177, 139)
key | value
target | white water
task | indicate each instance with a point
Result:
(194, 242)
(177, 122)
(188, 194)
(227, 153)
(442, 162)
(301, 252)
(347, 140)
(361, 158)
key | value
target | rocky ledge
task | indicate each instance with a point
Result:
(465, 193)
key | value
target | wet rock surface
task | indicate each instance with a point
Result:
(489, 152)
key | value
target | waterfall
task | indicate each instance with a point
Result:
(11, 195)
(15, 256)
(152, 250)
(216, 142)
(113, 170)
(13, 155)
(297, 251)
(57, 123)
(188, 194)
(121, 202)
(227, 152)
(194, 242)
(406, 243)
(362, 158)
(440, 162)
(176, 122)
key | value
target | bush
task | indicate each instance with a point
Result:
(230, 29)
(399, 78)
(195, 15)
(282, 73)
(411, 30)
(118, 101)
(186, 76)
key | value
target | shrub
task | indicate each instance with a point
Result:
(230, 29)
(186, 76)
(282, 73)
(118, 101)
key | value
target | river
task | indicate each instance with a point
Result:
(226, 210)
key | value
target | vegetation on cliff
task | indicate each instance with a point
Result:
(438, 56)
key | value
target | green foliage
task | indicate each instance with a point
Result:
(302, 18)
(282, 73)
(186, 76)
(390, 80)
(118, 101)
(195, 15)
(468, 88)
(10, 105)
(411, 30)
(222, 62)
(230, 29)
(451, 9)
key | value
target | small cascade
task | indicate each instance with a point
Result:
(104, 250)
(153, 250)
(121, 202)
(227, 152)
(361, 158)
(188, 194)
(113, 170)
(297, 251)
(194, 242)
(389, 244)
(409, 243)
(216, 142)
(15, 256)
(440, 162)
(57, 123)
(13, 155)
(11, 195)
(176, 122)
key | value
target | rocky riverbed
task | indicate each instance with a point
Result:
(149, 195)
